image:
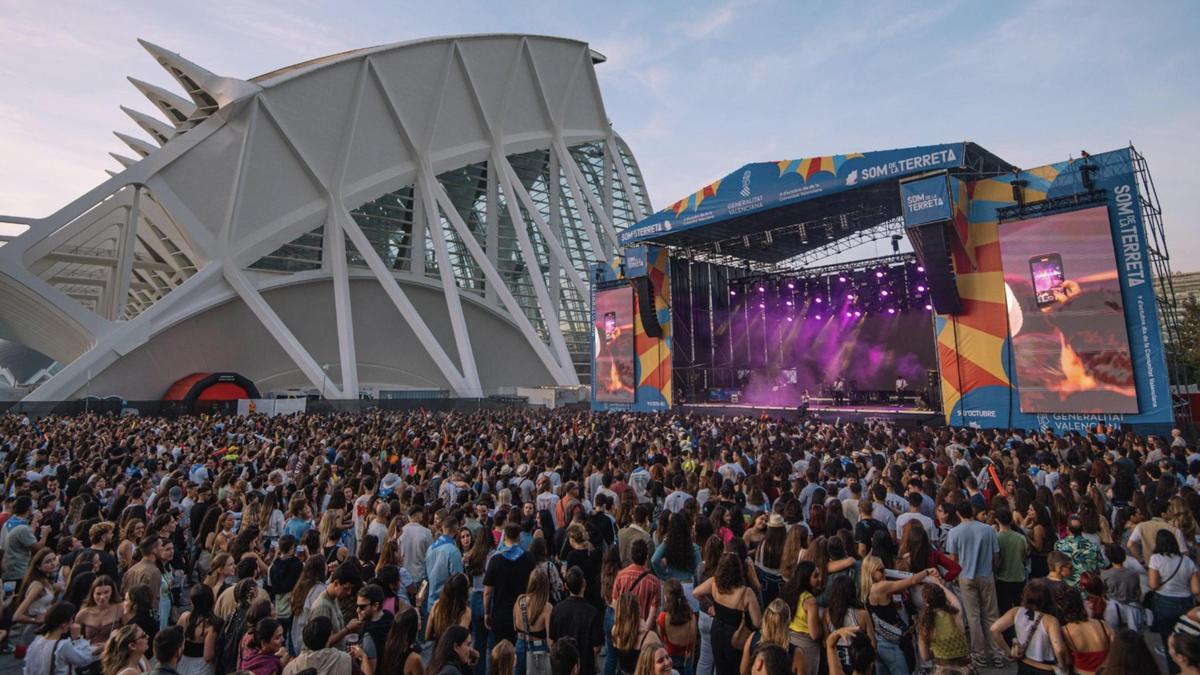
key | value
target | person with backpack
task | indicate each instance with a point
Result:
(229, 639)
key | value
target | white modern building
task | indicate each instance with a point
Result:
(414, 216)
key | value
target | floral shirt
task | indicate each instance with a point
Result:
(1085, 556)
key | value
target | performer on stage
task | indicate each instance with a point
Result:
(805, 399)
(901, 387)
(839, 390)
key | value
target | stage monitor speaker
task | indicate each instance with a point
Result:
(641, 285)
(932, 245)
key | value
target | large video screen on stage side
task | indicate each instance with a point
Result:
(612, 330)
(1065, 314)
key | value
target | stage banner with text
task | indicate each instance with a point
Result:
(982, 374)
(925, 200)
(765, 185)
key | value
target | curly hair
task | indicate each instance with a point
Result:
(730, 574)
(935, 601)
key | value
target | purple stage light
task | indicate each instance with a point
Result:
(789, 303)
(883, 293)
(842, 279)
(858, 314)
(891, 310)
(818, 317)
(849, 314)
(928, 306)
(879, 275)
(920, 289)
(790, 319)
(819, 300)
(732, 292)
(762, 289)
(762, 305)
(920, 269)
(791, 286)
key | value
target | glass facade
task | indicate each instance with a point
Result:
(396, 226)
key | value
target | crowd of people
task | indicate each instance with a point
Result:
(536, 542)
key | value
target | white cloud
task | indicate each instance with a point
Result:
(707, 24)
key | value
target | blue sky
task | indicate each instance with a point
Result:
(697, 89)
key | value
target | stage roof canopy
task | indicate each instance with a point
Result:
(772, 211)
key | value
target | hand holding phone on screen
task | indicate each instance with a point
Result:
(1050, 285)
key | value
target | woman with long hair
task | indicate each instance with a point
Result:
(38, 590)
(917, 554)
(1183, 650)
(582, 554)
(538, 548)
(125, 652)
(531, 617)
(261, 652)
(222, 573)
(58, 648)
(774, 631)
(768, 559)
(876, 591)
(1175, 581)
(804, 629)
(401, 653)
(101, 613)
(1036, 630)
(138, 608)
(629, 634)
(1041, 535)
(733, 603)
(793, 548)
(845, 610)
(503, 659)
(305, 593)
(941, 632)
(474, 564)
(452, 608)
(653, 660)
(131, 534)
(609, 568)
(1087, 639)
(201, 628)
(455, 653)
(677, 626)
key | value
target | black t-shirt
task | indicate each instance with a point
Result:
(508, 579)
(284, 574)
(589, 561)
(575, 618)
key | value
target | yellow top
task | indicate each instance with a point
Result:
(799, 622)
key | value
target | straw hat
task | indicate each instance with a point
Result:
(775, 520)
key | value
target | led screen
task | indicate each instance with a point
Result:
(613, 338)
(1066, 318)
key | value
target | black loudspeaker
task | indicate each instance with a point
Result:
(645, 301)
(932, 245)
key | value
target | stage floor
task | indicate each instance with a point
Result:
(907, 415)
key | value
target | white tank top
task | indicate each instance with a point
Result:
(1039, 648)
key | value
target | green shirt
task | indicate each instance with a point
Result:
(1013, 550)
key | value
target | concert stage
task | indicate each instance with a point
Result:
(899, 415)
(1029, 299)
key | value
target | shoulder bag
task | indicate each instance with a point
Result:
(1017, 651)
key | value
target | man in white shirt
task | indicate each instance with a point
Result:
(850, 503)
(915, 500)
(675, 501)
(415, 540)
(547, 500)
(379, 524)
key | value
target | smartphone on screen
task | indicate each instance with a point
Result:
(1046, 271)
(610, 326)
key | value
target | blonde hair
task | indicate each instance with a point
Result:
(775, 623)
(116, 649)
(536, 595)
(645, 662)
(866, 574)
(504, 659)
